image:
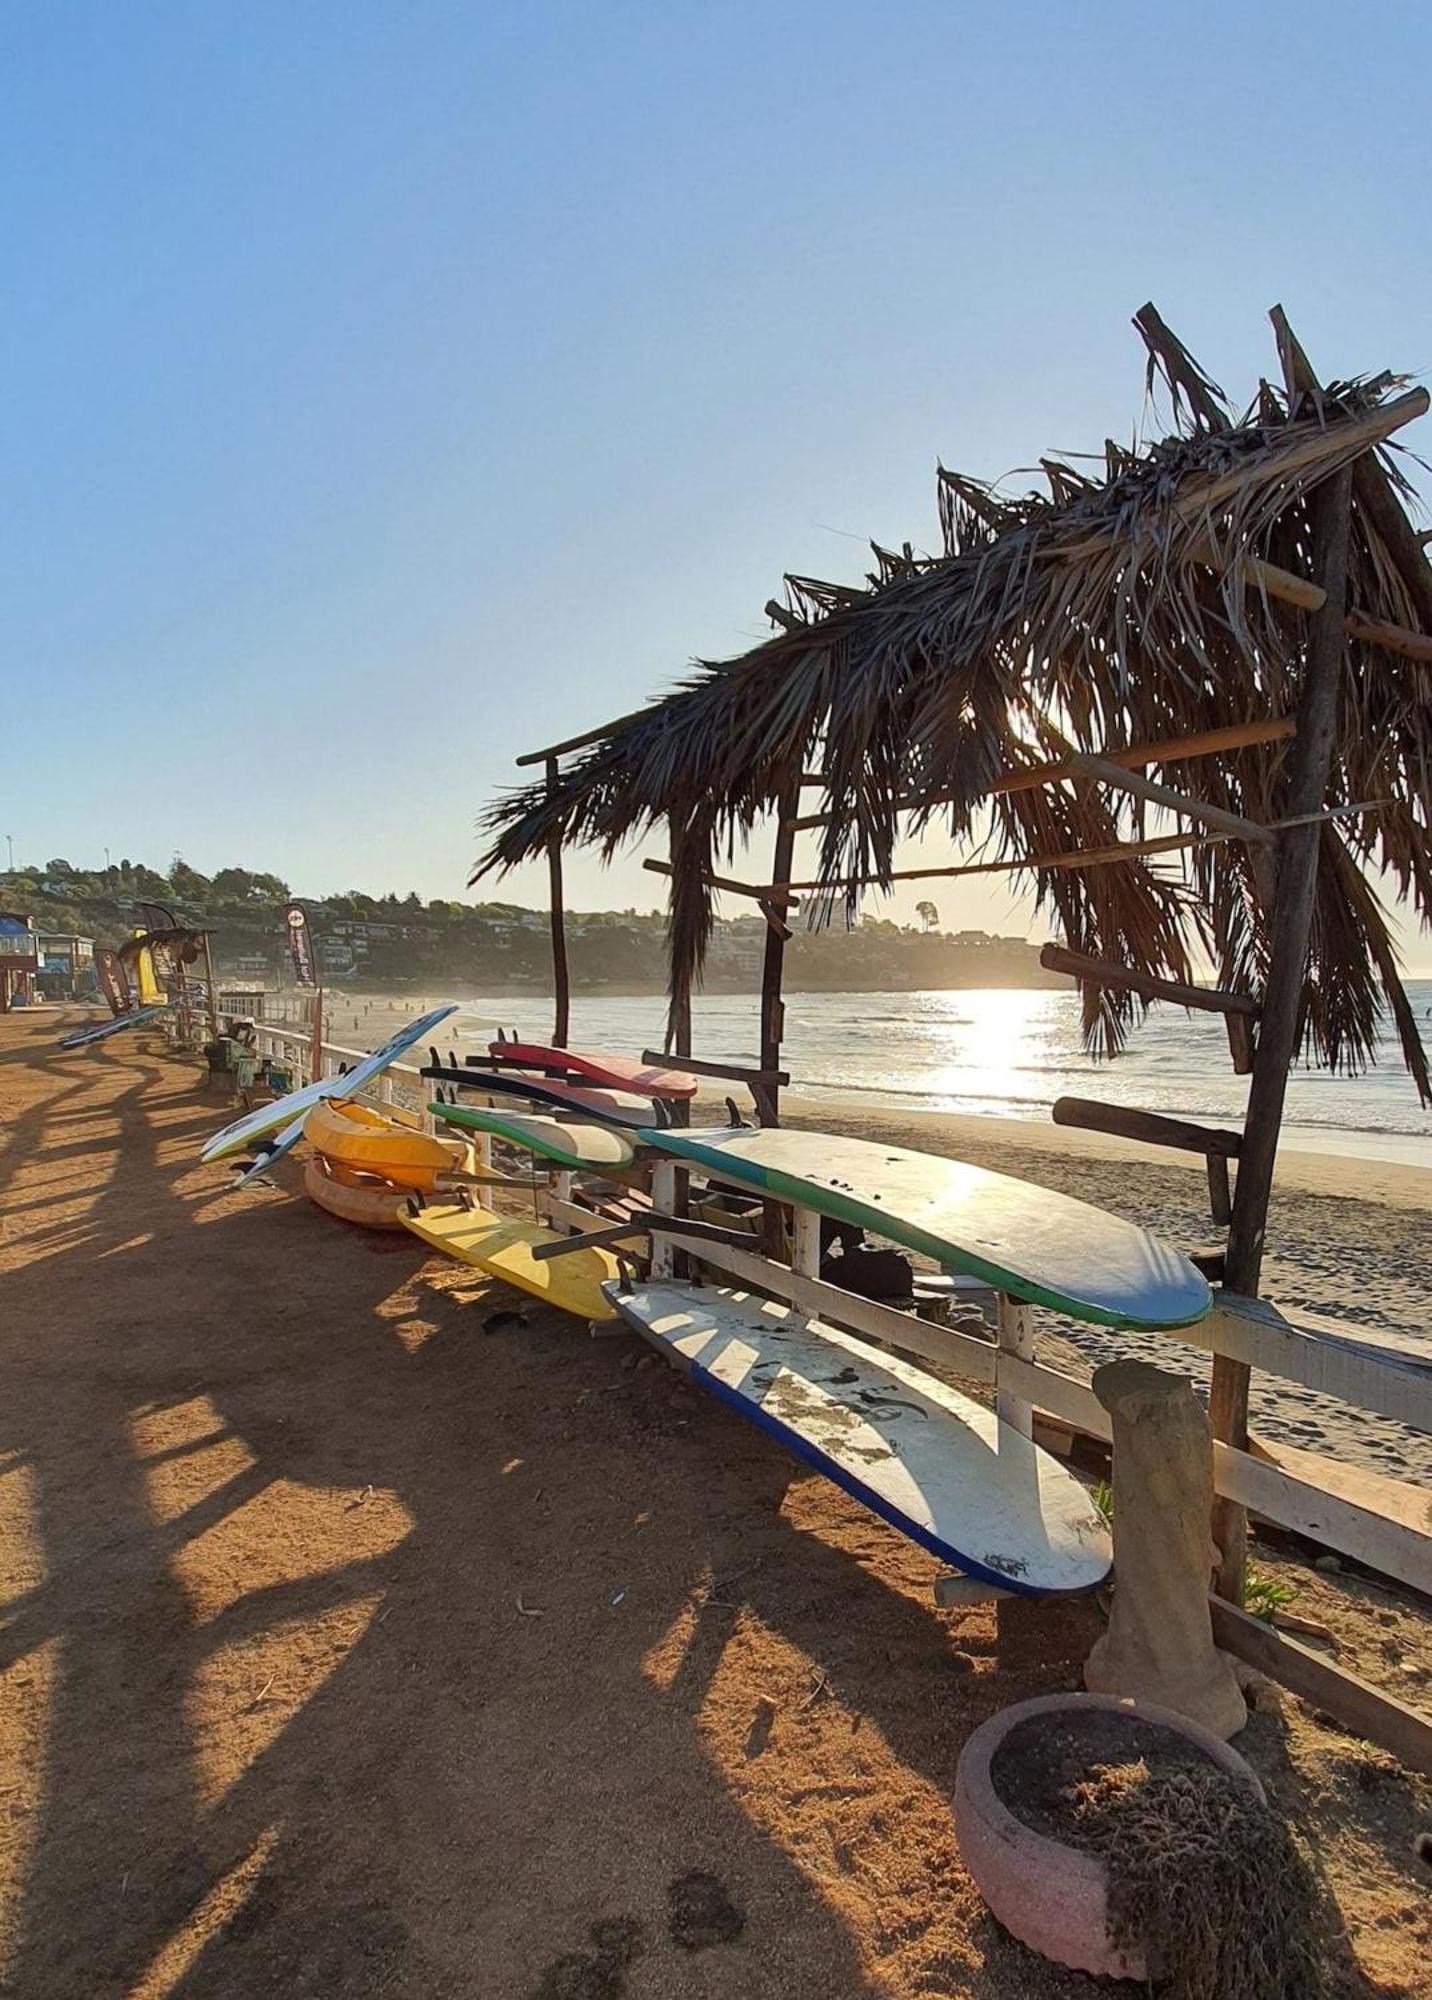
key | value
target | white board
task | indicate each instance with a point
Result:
(934, 1464)
(1021, 1239)
(255, 1125)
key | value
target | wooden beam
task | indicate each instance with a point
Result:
(1151, 1128)
(1354, 1702)
(1289, 588)
(1079, 857)
(732, 1072)
(1170, 750)
(584, 741)
(776, 895)
(1099, 972)
(1233, 824)
(1281, 1025)
(1396, 638)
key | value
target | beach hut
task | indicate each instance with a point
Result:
(1185, 693)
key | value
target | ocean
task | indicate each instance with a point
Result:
(999, 1054)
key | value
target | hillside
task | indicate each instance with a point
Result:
(392, 942)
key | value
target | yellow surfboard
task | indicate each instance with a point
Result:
(503, 1249)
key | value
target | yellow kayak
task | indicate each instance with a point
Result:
(503, 1249)
(357, 1137)
(355, 1197)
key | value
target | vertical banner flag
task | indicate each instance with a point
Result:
(113, 981)
(300, 945)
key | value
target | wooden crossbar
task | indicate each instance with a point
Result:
(1089, 857)
(731, 1072)
(1301, 591)
(778, 896)
(1170, 750)
(1233, 824)
(1100, 971)
(1154, 1128)
(1359, 1706)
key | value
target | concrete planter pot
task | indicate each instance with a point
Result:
(1050, 1896)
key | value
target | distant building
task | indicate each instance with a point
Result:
(19, 960)
(66, 965)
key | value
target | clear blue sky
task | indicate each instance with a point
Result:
(388, 389)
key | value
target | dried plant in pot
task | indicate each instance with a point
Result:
(1065, 1804)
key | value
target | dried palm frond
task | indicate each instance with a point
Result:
(1130, 609)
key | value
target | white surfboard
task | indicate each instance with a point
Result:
(271, 1155)
(256, 1125)
(1021, 1239)
(934, 1464)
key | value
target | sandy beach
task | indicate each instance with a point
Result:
(349, 1648)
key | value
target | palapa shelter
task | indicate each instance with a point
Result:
(1243, 605)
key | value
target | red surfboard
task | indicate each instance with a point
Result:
(597, 1066)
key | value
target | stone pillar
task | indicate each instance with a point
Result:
(1159, 1645)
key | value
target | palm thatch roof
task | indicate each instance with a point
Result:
(1128, 605)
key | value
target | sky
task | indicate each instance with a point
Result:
(391, 389)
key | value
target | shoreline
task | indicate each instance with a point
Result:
(1308, 1161)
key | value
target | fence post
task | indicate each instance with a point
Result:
(1016, 1336)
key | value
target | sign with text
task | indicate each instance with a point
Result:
(300, 945)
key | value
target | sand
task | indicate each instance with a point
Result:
(349, 1649)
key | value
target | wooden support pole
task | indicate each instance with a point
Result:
(773, 1010)
(1015, 1323)
(561, 980)
(1100, 972)
(1281, 1023)
(1220, 1192)
(212, 1008)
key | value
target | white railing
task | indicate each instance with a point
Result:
(400, 1081)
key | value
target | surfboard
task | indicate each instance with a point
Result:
(611, 1107)
(503, 1249)
(599, 1067)
(934, 1464)
(269, 1155)
(82, 1037)
(569, 1145)
(1045, 1248)
(255, 1125)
